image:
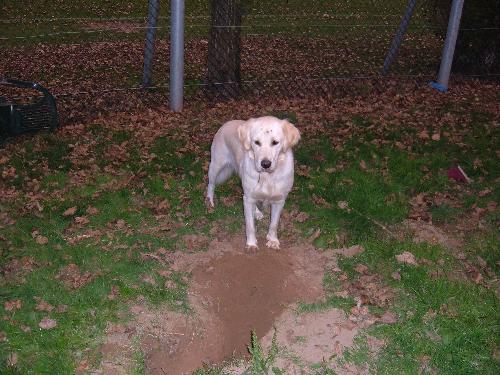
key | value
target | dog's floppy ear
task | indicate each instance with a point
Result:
(292, 135)
(244, 134)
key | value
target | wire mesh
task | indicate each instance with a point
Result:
(97, 59)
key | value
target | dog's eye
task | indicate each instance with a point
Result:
(274, 143)
(257, 143)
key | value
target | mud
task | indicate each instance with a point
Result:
(234, 292)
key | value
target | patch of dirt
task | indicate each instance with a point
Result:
(350, 252)
(232, 293)
(309, 339)
(431, 234)
(370, 290)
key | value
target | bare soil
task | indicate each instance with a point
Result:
(232, 292)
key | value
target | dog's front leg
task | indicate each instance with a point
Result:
(249, 206)
(272, 234)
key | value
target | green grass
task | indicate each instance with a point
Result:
(465, 342)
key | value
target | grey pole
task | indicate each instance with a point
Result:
(176, 54)
(449, 46)
(398, 38)
(149, 49)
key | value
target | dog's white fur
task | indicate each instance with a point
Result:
(247, 148)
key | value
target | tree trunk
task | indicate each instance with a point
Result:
(223, 78)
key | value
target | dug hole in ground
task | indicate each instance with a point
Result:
(232, 293)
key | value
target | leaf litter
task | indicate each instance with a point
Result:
(72, 277)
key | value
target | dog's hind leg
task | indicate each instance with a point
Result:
(217, 175)
(259, 207)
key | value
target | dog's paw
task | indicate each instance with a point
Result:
(273, 244)
(209, 204)
(251, 248)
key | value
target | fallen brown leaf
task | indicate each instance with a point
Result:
(314, 235)
(13, 305)
(433, 336)
(396, 275)
(47, 323)
(61, 308)
(25, 328)
(388, 317)
(72, 277)
(11, 360)
(149, 279)
(92, 211)
(115, 292)
(407, 258)
(81, 220)
(164, 273)
(44, 306)
(361, 268)
(70, 211)
(343, 205)
(41, 240)
(423, 134)
(301, 217)
(350, 252)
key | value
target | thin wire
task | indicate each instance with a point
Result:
(118, 89)
(335, 26)
(312, 79)
(63, 33)
(298, 15)
(295, 25)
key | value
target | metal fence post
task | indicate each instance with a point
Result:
(176, 54)
(398, 38)
(149, 49)
(449, 46)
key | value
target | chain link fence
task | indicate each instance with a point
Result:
(92, 58)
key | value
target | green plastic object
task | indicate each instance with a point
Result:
(40, 113)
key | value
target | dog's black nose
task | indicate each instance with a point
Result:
(265, 163)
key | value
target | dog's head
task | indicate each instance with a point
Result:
(266, 138)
